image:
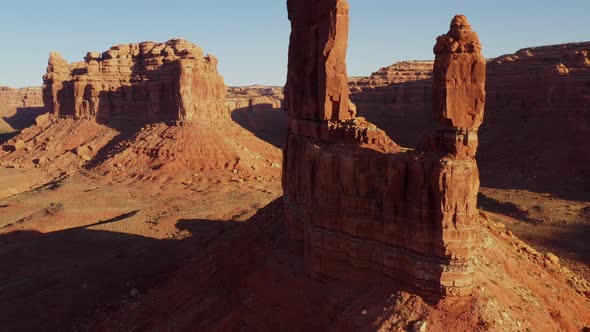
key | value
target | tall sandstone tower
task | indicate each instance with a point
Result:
(365, 208)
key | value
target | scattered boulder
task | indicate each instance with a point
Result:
(552, 258)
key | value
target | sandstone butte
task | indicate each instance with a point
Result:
(150, 110)
(147, 82)
(363, 206)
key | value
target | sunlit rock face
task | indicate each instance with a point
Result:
(145, 82)
(364, 207)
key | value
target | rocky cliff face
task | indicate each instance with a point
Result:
(260, 110)
(539, 107)
(538, 94)
(397, 96)
(145, 82)
(147, 111)
(24, 97)
(364, 207)
(18, 108)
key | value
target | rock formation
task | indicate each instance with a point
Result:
(145, 111)
(260, 110)
(19, 108)
(363, 206)
(145, 82)
(458, 89)
(538, 94)
(397, 98)
(24, 97)
(255, 97)
(541, 98)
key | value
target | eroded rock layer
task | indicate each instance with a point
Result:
(538, 94)
(145, 82)
(18, 108)
(24, 97)
(363, 206)
(260, 110)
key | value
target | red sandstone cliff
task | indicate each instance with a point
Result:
(154, 111)
(24, 97)
(364, 207)
(145, 82)
(538, 94)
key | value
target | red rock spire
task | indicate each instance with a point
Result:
(459, 88)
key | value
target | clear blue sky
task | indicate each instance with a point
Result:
(250, 38)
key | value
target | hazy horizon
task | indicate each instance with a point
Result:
(251, 39)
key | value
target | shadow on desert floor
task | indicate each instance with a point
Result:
(265, 122)
(53, 281)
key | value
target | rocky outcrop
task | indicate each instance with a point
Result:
(145, 82)
(538, 94)
(146, 111)
(538, 106)
(363, 206)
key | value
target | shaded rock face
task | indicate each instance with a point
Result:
(24, 97)
(18, 109)
(145, 82)
(538, 94)
(539, 106)
(396, 97)
(260, 110)
(364, 207)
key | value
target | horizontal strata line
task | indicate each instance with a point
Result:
(405, 251)
(385, 243)
(435, 283)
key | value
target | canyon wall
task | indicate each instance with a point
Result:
(23, 97)
(18, 109)
(397, 96)
(364, 207)
(259, 109)
(538, 94)
(145, 82)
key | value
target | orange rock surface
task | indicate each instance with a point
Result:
(148, 111)
(363, 206)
